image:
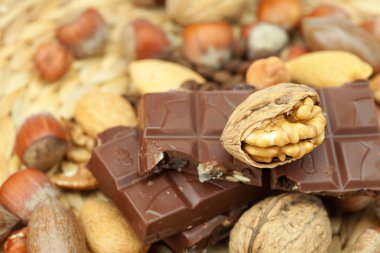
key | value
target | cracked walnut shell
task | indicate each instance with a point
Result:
(284, 223)
(275, 126)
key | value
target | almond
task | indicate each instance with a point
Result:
(107, 231)
(97, 111)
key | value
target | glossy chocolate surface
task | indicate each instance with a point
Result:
(166, 203)
(348, 161)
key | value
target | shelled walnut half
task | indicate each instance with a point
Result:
(275, 126)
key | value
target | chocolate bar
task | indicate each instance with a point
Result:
(166, 203)
(198, 238)
(182, 129)
(348, 161)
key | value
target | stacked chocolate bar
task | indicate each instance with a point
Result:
(151, 172)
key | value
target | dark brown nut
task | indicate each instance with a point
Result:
(86, 35)
(7, 222)
(24, 190)
(16, 242)
(222, 76)
(373, 27)
(275, 126)
(284, 223)
(369, 241)
(41, 141)
(149, 3)
(285, 13)
(52, 61)
(353, 203)
(142, 39)
(267, 72)
(208, 44)
(54, 228)
(82, 179)
(336, 33)
(266, 40)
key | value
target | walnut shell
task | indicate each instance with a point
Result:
(284, 223)
(262, 106)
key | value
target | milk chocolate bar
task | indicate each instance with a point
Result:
(198, 238)
(166, 203)
(180, 129)
(348, 161)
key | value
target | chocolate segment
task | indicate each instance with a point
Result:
(198, 238)
(180, 129)
(349, 159)
(167, 203)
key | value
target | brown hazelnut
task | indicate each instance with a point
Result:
(266, 40)
(293, 51)
(373, 27)
(7, 222)
(208, 44)
(142, 39)
(41, 141)
(328, 10)
(16, 242)
(285, 13)
(24, 190)
(86, 35)
(295, 222)
(149, 3)
(52, 61)
(267, 72)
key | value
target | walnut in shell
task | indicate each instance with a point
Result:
(274, 126)
(284, 223)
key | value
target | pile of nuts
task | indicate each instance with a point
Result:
(51, 202)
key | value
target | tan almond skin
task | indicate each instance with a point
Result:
(54, 228)
(106, 230)
(262, 105)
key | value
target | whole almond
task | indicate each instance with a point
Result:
(97, 111)
(107, 231)
(54, 228)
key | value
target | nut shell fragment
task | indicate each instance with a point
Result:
(284, 223)
(266, 106)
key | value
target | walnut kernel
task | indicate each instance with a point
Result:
(275, 126)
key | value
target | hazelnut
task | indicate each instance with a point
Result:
(54, 228)
(285, 13)
(16, 242)
(7, 222)
(52, 61)
(369, 241)
(149, 3)
(328, 10)
(142, 39)
(267, 72)
(266, 40)
(373, 27)
(41, 141)
(208, 44)
(84, 36)
(24, 190)
(293, 51)
(295, 222)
